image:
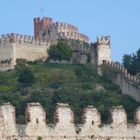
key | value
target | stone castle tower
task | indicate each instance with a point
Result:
(47, 30)
(101, 51)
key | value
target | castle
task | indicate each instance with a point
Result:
(15, 46)
(64, 128)
(46, 32)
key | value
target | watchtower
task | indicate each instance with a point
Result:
(101, 50)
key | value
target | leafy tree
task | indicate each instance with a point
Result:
(20, 64)
(132, 62)
(26, 77)
(127, 59)
(61, 51)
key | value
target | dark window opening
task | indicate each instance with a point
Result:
(37, 121)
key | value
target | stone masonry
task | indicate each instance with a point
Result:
(64, 127)
(15, 46)
(45, 29)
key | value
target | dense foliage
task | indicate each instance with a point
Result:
(132, 63)
(77, 85)
(61, 51)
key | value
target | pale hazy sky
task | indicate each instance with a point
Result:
(118, 18)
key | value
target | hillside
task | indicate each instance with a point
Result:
(78, 85)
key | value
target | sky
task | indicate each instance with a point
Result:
(118, 18)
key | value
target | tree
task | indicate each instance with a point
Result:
(26, 77)
(61, 51)
(132, 62)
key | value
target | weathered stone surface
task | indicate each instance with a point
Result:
(10, 52)
(64, 127)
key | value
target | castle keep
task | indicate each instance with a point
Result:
(64, 128)
(46, 32)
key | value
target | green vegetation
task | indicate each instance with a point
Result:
(61, 51)
(132, 63)
(26, 77)
(77, 85)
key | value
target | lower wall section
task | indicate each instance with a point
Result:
(127, 87)
(7, 57)
(64, 127)
(31, 53)
(9, 53)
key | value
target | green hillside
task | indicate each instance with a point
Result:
(78, 85)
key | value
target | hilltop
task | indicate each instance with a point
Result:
(78, 85)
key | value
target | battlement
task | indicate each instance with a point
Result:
(45, 21)
(62, 30)
(7, 39)
(129, 84)
(65, 27)
(104, 40)
(64, 127)
(119, 68)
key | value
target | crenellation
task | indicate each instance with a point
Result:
(7, 113)
(128, 83)
(118, 117)
(62, 30)
(92, 128)
(20, 39)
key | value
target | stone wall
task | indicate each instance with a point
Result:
(64, 127)
(101, 50)
(15, 46)
(7, 56)
(128, 84)
(31, 53)
(45, 27)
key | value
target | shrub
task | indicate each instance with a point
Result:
(26, 77)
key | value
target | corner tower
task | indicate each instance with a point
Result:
(42, 27)
(101, 50)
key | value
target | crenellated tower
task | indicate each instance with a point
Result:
(46, 30)
(101, 50)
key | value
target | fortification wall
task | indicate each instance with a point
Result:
(128, 84)
(72, 35)
(31, 53)
(63, 30)
(15, 46)
(64, 127)
(64, 27)
(7, 56)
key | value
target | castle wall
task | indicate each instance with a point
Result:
(128, 84)
(79, 58)
(45, 25)
(7, 123)
(31, 52)
(15, 46)
(7, 56)
(127, 87)
(64, 127)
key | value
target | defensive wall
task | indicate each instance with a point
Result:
(64, 30)
(128, 84)
(64, 127)
(14, 46)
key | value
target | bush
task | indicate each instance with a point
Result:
(61, 51)
(26, 77)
